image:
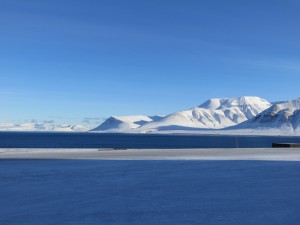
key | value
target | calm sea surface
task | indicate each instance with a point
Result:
(96, 140)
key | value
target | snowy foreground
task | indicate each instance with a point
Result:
(217, 187)
(277, 154)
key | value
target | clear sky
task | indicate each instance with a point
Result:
(72, 59)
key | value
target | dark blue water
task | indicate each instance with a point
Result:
(96, 140)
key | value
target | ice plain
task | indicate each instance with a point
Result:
(187, 186)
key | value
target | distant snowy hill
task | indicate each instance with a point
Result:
(243, 115)
(125, 123)
(284, 116)
(213, 114)
(41, 127)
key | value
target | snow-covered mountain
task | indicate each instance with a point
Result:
(41, 127)
(284, 116)
(242, 115)
(125, 123)
(213, 114)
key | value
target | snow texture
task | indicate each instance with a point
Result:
(266, 154)
(284, 116)
(119, 123)
(136, 192)
(213, 114)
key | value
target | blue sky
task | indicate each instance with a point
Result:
(74, 59)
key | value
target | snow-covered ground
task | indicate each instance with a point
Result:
(259, 131)
(169, 192)
(271, 154)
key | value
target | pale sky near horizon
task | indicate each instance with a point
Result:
(74, 60)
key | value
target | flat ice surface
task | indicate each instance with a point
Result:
(164, 189)
(281, 154)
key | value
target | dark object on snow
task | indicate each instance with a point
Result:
(285, 145)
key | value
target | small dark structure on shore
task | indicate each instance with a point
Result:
(285, 145)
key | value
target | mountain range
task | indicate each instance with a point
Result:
(242, 115)
(222, 114)
(39, 126)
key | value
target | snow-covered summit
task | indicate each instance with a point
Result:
(283, 115)
(222, 103)
(213, 114)
(125, 123)
(247, 105)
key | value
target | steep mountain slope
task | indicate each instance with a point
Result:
(213, 114)
(284, 116)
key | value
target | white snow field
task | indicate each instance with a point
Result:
(213, 114)
(280, 154)
(150, 187)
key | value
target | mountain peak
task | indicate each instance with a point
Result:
(282, 115)
(222, 103)
(215, 113)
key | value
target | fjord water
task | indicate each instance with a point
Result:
(109, 140)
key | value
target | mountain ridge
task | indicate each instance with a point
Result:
(30, 126)
(282, 115)
(215, 113)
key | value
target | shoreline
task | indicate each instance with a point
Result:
(268, 154)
